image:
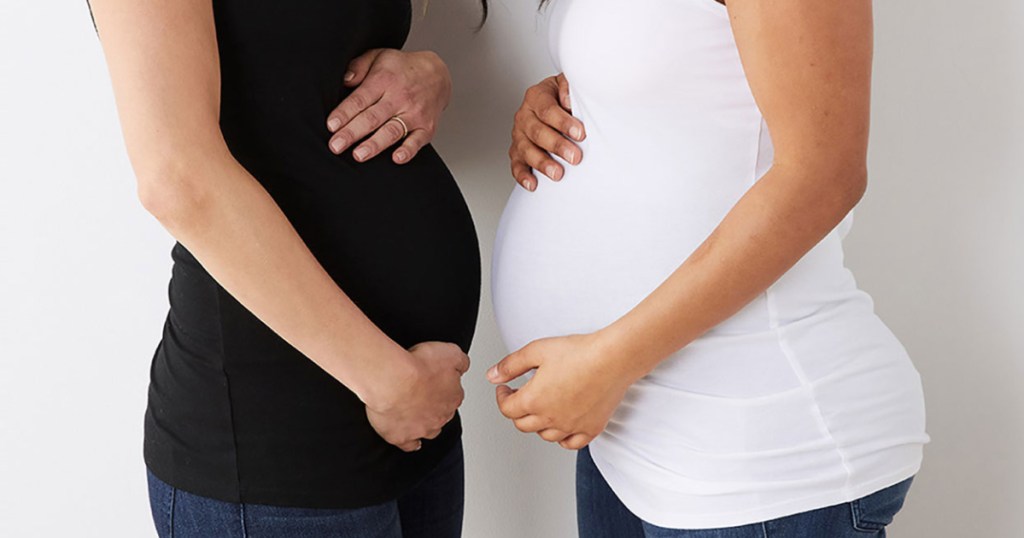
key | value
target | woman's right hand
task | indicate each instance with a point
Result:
(417, 405)
(544, 126)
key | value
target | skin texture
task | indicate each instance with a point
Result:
(165, 69)
(415, 86)
(809, 66)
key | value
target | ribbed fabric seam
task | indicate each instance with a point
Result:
(773, 322)
(227, 384)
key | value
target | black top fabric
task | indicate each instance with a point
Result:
(237, 414)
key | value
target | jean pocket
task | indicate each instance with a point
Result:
(874, 512)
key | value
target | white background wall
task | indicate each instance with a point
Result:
(939, 241)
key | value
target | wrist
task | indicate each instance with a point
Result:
(383, 386)
(621, 354)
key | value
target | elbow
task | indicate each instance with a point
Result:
(835, 184)
(169, 189)
(853, 184)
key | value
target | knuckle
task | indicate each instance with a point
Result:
(358, 99)
(405, 94)
(535, 131)
(374, 116)
(520, 117)
(393, 130)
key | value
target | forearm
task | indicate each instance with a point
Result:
(778, 221)
(239, 234)
(165, 70)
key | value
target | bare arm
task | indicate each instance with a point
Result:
(165, 69)
(809, 66)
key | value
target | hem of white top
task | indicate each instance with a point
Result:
(675, 520)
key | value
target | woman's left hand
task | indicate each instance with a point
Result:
(412, 86)
(571, 397)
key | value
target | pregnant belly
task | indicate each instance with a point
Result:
(575, 255)
(404, 247)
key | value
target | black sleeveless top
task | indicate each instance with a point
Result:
(234, 412)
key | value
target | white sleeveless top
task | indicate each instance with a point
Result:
(802, 400)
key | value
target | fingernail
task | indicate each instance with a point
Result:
(576, 132)
(531, 185)
(349, 76)
(551, 172)
(492, 374)
(570, 156)
(360, 153)
(333, 124)
(401, 156)
(337, 144)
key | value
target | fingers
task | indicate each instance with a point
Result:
(544, 132)
(531, 423)
(509, 402)
(523, 174)
(433, 434)
(513, 366)
(411, 146)
(550, 103)
(537, 159)
(553, 435)
(563, 91)
(463, 363)
(542, 135)
(350, 107)
(360, 66)
(362, 125)
(545, 127)
(386, 136)
(576, 441)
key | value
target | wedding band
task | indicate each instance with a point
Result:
(405, 128)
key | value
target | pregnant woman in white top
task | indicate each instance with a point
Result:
(681, 292)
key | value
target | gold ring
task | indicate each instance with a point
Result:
(405, 128)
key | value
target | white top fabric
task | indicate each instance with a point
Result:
(802, 400)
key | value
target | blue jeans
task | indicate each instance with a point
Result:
(601, 514)
(433, 509)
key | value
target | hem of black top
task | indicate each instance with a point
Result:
(342, 498)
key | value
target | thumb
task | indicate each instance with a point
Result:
(512, 367)
(360, 66)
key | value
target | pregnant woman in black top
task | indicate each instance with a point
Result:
(322, 298)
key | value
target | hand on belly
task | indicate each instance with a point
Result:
(573, 393)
